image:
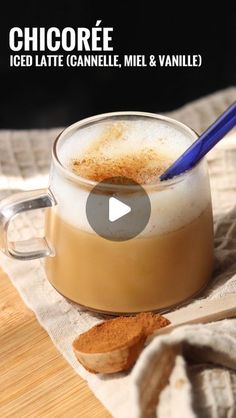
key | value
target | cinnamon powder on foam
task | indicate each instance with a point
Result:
(143, 166)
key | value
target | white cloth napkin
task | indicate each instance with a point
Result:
(201, 382)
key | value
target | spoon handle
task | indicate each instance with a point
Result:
(203, 144)
(201, 313)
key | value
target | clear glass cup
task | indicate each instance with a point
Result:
(167, 263)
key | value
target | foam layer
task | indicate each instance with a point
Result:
(137, 149)
(141, 150)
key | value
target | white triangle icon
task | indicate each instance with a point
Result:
(117, 209)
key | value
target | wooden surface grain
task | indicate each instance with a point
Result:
(35, 380)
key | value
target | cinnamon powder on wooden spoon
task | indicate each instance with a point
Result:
(115, 344)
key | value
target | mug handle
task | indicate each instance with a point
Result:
(10, 207)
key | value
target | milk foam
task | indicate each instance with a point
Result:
(111, 139)
(172, 206)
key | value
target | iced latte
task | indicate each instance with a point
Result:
(171, 259)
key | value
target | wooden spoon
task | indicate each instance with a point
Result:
(125, 356)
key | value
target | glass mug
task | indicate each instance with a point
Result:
(166, 264)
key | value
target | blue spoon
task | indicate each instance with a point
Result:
(203, 144)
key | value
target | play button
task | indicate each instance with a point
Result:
(118, 209)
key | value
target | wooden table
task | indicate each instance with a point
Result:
(35, 380)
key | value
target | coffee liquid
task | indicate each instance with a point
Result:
(130, 276)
